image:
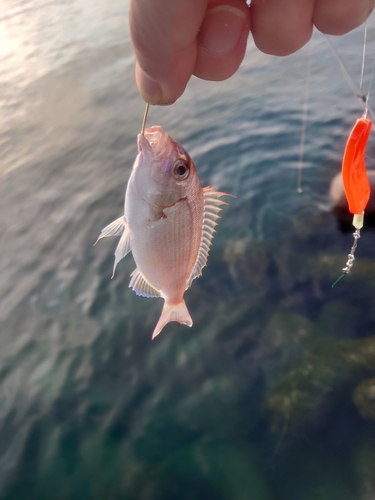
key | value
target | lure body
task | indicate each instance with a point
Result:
(354, 176)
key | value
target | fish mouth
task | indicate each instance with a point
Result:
(154, 135)
(152, 140)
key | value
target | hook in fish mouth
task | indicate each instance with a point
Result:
(153, 134)
(152, 138)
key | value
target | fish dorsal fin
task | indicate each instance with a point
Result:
(211, 212)
(141, 287)
(123, 247)
(115, 228)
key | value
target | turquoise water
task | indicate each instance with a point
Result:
(270, 395)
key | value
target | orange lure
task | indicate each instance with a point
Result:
(354, 176)
(355, 180)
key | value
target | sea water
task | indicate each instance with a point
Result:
(266, 396)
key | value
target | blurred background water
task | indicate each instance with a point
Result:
(271, 394)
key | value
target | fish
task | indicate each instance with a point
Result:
(168, 224)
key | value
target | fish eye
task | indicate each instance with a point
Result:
(181, 170)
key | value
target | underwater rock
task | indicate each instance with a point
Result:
(248, 265)
(364, 466)
(224, 470)
(295, 386)
(311, 470)
(161, 437)
(310, 371)
(228, 468)
(364, 398)
(338, 318)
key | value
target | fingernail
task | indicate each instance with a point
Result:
(149, 88)
(221, 29)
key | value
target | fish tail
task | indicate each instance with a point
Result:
(173, 312)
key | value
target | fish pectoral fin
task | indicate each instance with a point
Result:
(173, 312)
(123, 247)
(211, 212)
(141, 287)
(115, 228)
(158, 212)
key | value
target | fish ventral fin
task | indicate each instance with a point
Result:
(212, 203)
(123, 247)
(173, 312)
(115, 228)
(141, 287)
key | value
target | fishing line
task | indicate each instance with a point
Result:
(370, 86)
(349, 79)
(363, 56)
(145, 118)
(371, 80)
(305, 110)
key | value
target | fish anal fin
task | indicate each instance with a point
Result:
(123, 248)
(141, 287)
(115, 228)
(173, 312)
(212, 208)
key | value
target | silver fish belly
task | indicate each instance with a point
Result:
(168, 224)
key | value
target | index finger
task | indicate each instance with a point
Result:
(175, 39)
(164, 37)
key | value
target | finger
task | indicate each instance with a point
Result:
(281, 27)
(164, 35)
(222, 39)
(337, 17)
(173, 40)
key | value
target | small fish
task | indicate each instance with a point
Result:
(168, 224)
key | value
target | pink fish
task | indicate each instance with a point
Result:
(168, 224)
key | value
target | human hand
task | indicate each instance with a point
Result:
(175, 39)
